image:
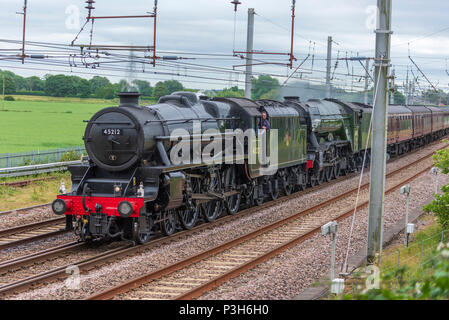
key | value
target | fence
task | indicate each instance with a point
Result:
(406, 262)
(416, 255)
(23, 171)
(9, 160)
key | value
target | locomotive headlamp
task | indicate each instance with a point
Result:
(62, 188)
(117, 190)
(125, 209)
(59, 206)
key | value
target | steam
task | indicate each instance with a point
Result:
(128, 85)
(305, 90)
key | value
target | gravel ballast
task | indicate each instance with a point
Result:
(288, 274)
(279, 278)
(19, 218)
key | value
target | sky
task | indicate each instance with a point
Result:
(200, 26)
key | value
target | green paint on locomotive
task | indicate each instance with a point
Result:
(291, 139)
(345, 121)
(330, 121)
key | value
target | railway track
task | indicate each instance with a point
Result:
(31, 232)
(36, 231)
(93, 261)
(43, 205)
(61, 251)
(20, 273)
(35, 257)
(20, 235)
(199, 273)
(23, 183)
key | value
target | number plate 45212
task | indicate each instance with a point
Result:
(112, 132)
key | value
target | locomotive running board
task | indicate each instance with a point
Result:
(213, 195)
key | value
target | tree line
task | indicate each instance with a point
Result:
(263, 87)
(73, 86)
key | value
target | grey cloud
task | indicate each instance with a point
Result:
(207, 26)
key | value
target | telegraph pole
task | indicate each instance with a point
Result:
(392, 87)
(24, 29)
(249, 55)
(292, 57)
(366, 80)
(379, 141)
(154, 33)
(407, 90)
(328, 68)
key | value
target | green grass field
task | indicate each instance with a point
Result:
(42, 123)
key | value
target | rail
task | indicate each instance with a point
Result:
(36, 169)
(109, 256)
(244, 256)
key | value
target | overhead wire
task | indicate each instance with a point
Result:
(203, 68)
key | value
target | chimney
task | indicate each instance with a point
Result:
(292, 99)
(130, 98)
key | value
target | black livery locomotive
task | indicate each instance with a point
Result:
(131, 188)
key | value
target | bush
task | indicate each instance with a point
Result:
(440, 206)
(442, 159)
(70, 156)
(9, 98)
(30, 93)
(434, 286)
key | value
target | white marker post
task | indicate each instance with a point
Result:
(434, 171)
(337, 285)
(405, 190)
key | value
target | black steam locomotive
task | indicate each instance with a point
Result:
(132, 188)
